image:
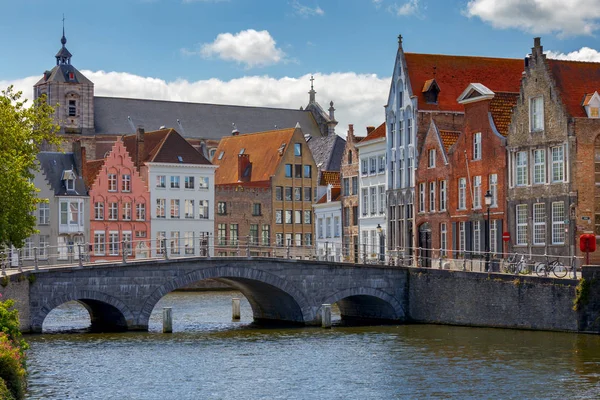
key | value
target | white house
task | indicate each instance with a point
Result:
(328, 217)
(182, 192)
(372, 194)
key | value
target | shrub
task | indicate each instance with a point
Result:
(9, 324)
(12, 369)
(5, 394)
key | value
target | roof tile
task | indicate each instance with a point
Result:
(575, 79)
(449, 138)
(379, 132)
(501, 107)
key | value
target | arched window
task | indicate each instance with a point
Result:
(349, 157)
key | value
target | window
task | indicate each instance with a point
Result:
(233, 234)
(381, 163)
(493, 237)
(279, 239)
(288, 217)
(174, 208)
(307, 171)
(355, 185)
(349, 157)
(373, 165)
(539, 224)
(140, 211)
(536, 114)
(126, 183)
(189, 182)
(422, 197)
(127, 211)
(28, 249)
(161, 181)
(99, 243)
(477, 146)
(203, 209)
(297, 149)
(539, 166)
(222, 234)
(72, 103)
(558, 222)
(382, 199)
(521, 211)
(477, 192)
(346, 186)
(443, 239)
(594, 112)
(288, 239)
(410, 172)
(400, 133)
(557, 164)
(278, 193)
(346, 216)
(298, 216)
(44, 243)
(288, 193)
(307, 217)
(431, 163)
(222, 208)
(328, 227)
(320, 228)
(521, 168)
(461, 237)
(307, 194)
(308, 239)
(98, 210)
(373, 200)
(112, 182)
(297, 170)
(365, 201)
(278, 216)
(62, 248)
(113, 243)
(253, 234)
(431, 196)
(160, 242)
(44, 213)
(297, 194)
(160, 208)
(354, 215)
(336, 227)
(113, 211)
(494, 189)
(70, 184)
(462, 193)
(442, 195)
(203, 183)
(266, 234)
(188, 242)
(409, 131)
(477, 236)
(188, 208)
(364, 170)
(256, 209)
(174, 182)
(175, 246)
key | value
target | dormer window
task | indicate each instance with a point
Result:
(69, 179)
(593, 112)
(591, 103)
(72, 108)
(431, 91)
(71, 76)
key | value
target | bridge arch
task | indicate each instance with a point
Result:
(366, 304)
(107, 313)
(271, 297)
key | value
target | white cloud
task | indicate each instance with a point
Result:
(583, 54)
(249, 47)
(411, 7)
(377, 3)
(306, 11)
(565, 18)
(358, 98)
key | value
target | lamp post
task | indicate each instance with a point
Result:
(488, 203)
(381, 245)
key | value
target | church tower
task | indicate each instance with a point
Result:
(71, 90)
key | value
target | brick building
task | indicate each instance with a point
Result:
(350, 210)
(265, 188)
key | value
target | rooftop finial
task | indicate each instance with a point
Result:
(311, 82)
(63, 40)
(312, 91)
(399, 40)
(434, 70)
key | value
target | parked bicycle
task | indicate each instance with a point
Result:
(555, 266)
(516, 265)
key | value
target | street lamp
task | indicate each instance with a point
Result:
(488, 203)
(381, 244)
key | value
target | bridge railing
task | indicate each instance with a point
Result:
(326, 249)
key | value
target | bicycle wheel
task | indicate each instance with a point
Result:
(540, 269)
(559, 270)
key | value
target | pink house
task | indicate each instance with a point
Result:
(119, 201)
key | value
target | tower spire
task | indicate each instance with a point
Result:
(63, 56)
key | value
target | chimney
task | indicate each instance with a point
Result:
(244, 168)
(537, 51)
(351, 137)
(139, 146)
(235, 132)
(79, 156)
(370, 129)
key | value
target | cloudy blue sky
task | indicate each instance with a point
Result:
(263, 52)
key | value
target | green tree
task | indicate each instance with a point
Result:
(23, 130)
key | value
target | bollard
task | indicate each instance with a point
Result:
(235, 309)
(167, 320)
(326, 316)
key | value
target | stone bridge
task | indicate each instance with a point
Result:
(122, 296)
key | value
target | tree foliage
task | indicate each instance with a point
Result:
(23, 131)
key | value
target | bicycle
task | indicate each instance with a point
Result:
(516, 267)
(555, 266)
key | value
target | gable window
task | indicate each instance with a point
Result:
(594, 112)
(558, 164)
(44, 213)
(521, 168)
(72, 105)
(539, 166)
(462, 193)
(140, 211)
(346, 186)
(536, 114)
(349, 157)
(112, 182)
(126, 183)
(288, 170)
(113, 211)
(477, 192)
(297, 149)
(431, 163)
(477, 146)
(539, 224)
(307, 171)
(297, 170)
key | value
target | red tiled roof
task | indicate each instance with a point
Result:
(336, 194)
(501, 107)
(575, 79)
(377, 133)
(330, 178)
(449, 138)
(262, 149)
(165, 146)
(454, 73)
(587, 99)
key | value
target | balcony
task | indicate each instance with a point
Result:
(70, 228)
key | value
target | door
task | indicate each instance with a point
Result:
(425, 245)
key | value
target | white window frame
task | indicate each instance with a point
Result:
(558, 222)
(462, 238)
(422, 197)
(558, 164)
(536, 116)
(477, 192)
(521, 168)
(99, 243)
(477, 237)
(539, 166)
(493, 237)
(521, 216)
(432, 198)
(539, 224)
(477, 146)
(443, 197)
(443, 239)
(494, 189)
(462, 193)
(126, 183)
(431, 163)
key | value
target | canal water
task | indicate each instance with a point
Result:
(210, 357)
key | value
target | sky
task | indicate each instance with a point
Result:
(262, 53)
